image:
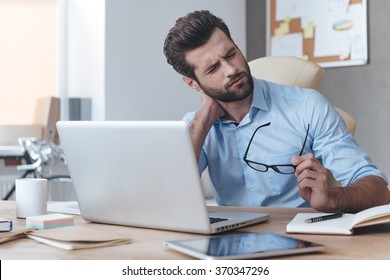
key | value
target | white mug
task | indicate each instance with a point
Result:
(31, 197)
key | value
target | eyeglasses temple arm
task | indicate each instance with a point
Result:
(253, 135)
(304, 142)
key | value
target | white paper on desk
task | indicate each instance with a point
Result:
(65, 207)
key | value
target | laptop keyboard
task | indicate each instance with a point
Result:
(214, 220)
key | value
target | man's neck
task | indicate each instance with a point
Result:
(236, 111)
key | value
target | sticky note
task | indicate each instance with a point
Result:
(308, 32)
(284, 27)
(279, 33)
(49, 221)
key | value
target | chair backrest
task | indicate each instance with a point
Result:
(286, 70)
(298, 72)
(294, 71)
(47, 113)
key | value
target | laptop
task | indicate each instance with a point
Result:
(142, 174)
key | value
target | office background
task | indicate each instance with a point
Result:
(111, 52)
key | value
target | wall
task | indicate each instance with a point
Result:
(363, 91)
(139, 82)
(115, 55)
(27, 57)
(82, 53)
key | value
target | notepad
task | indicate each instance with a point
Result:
(49, 221)
(343, 226)
(79, 237)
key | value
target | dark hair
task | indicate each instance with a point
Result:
(190, 32)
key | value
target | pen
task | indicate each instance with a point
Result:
(324, 218)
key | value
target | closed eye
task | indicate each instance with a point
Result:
(212, 68)
(230, 54)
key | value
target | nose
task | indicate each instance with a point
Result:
(229, 68)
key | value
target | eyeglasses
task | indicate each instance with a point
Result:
(262, 167)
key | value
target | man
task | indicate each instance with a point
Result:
(266, 144)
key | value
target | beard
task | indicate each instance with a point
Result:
(228, 95)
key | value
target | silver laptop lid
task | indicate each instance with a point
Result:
(136, 173)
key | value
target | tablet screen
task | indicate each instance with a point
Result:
(243, 245)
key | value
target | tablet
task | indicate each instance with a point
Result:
(243, 245)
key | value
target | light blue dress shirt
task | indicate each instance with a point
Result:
(290, 110)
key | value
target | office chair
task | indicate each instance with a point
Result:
(34, 151)
(294, 71)
(298, 72)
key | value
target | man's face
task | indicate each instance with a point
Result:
(221, 69)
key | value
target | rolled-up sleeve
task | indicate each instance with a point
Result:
(334, 146)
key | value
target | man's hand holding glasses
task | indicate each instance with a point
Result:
(312, 181)
(311, 175)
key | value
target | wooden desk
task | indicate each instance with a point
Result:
(372, 243)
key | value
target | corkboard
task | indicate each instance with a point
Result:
(347, 33)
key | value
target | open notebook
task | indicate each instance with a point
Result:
(344, 225)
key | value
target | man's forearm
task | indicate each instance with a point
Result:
(198, 134)
(365, 193)
(199, 128)
(203, 120)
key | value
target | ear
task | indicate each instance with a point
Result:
(191, 83)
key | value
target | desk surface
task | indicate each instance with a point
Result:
(370, 243)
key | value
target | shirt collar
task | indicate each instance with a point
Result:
(259, 95)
